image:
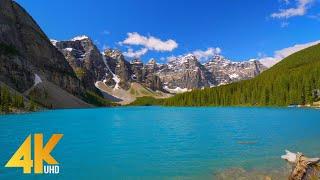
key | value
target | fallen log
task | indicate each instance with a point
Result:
(303, 168)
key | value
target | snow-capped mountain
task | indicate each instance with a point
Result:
(180, 74)
(225, 71)
(186, 73)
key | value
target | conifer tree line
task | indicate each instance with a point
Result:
(293, 81)
(10, 101)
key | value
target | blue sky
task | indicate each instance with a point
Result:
(241, 29)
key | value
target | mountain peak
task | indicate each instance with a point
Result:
(53, 41)
(114, 53)
(189, 58)
(136, 61)
(218, 58)
(152, 61)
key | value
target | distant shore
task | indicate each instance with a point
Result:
(315, 105)
(24, 111)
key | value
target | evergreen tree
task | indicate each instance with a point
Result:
(5, 99)
(32, 106)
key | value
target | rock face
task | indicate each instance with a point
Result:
(152, 79)
(84, 58)
(122, 73)
(179, 74)
(225, 71)
(35, 53)
(119, 75)
(185, 73)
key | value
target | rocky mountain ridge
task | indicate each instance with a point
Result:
(128, 72)
(187, 73)
(225, 71)
(180, 74)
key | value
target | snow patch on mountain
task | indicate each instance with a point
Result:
(234, 76)
(177, 90)
(79, 38)
(69, 49)
(37, 79)
(53, 41)
(114, 77)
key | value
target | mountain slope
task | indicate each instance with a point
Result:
(125, 81)
(52, 96)
(124, 97)
(35, 51)
(27, 54)
(295, 80)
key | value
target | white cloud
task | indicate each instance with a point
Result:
(135, 54)
(281, 54)
(151, 43)
(300, 10)
(207, 54)
(269, 61)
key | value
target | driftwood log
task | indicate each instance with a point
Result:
(303, 168)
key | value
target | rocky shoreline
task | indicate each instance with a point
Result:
(315, 105)
(253, 174)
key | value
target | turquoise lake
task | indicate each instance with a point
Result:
(162, 143)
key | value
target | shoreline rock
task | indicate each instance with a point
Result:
(252, 174)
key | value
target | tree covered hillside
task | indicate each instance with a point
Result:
(295, 80)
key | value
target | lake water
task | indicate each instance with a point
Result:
(161, 143)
